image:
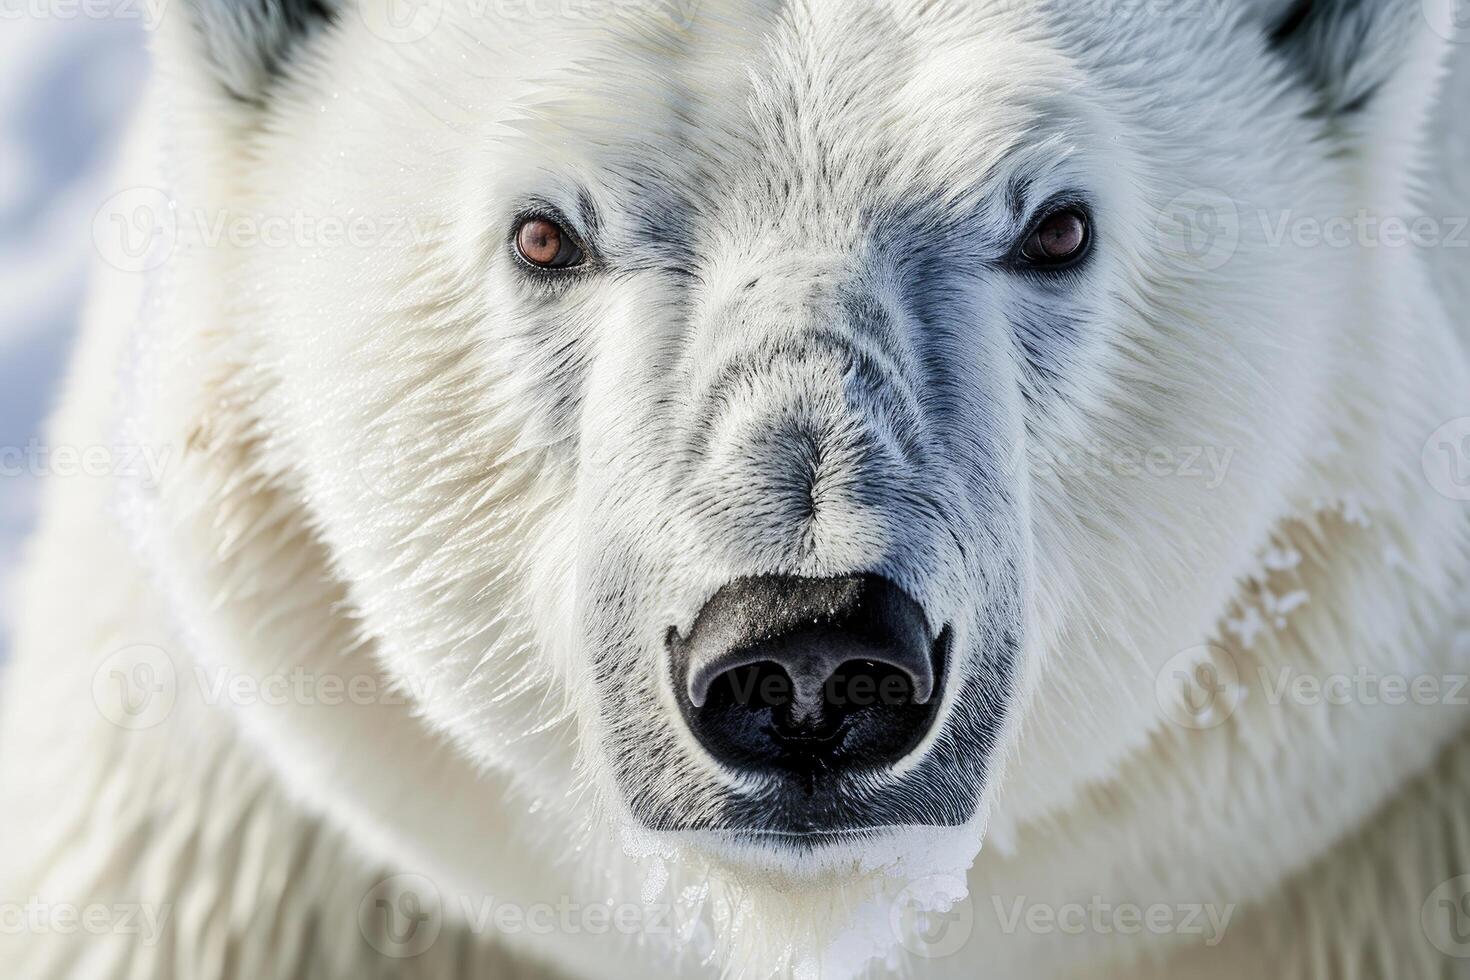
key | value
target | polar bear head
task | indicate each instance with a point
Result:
(742, 420)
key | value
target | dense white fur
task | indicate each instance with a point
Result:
(403, 462)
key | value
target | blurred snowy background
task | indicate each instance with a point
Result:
(70, 72)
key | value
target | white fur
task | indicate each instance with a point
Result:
(403, 461)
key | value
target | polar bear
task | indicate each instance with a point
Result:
(759, 488)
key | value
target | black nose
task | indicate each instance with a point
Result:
(809, 675)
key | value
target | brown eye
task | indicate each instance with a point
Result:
(547, 245)
(1059, 239)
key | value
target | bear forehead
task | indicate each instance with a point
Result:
(846, 100)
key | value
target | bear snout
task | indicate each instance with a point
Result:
(809, 678)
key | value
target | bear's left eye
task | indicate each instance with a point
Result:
(1061, 238)
(547, 245)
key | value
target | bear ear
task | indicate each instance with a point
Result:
(249, 43)
(1345, 50)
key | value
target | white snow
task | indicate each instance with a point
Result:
(66, 84)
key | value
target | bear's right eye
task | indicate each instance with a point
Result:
(1061, 238)
(547, 245)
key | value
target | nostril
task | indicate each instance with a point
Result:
(809, 672)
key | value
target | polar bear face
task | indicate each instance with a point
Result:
(687, 410)
(773, 367)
